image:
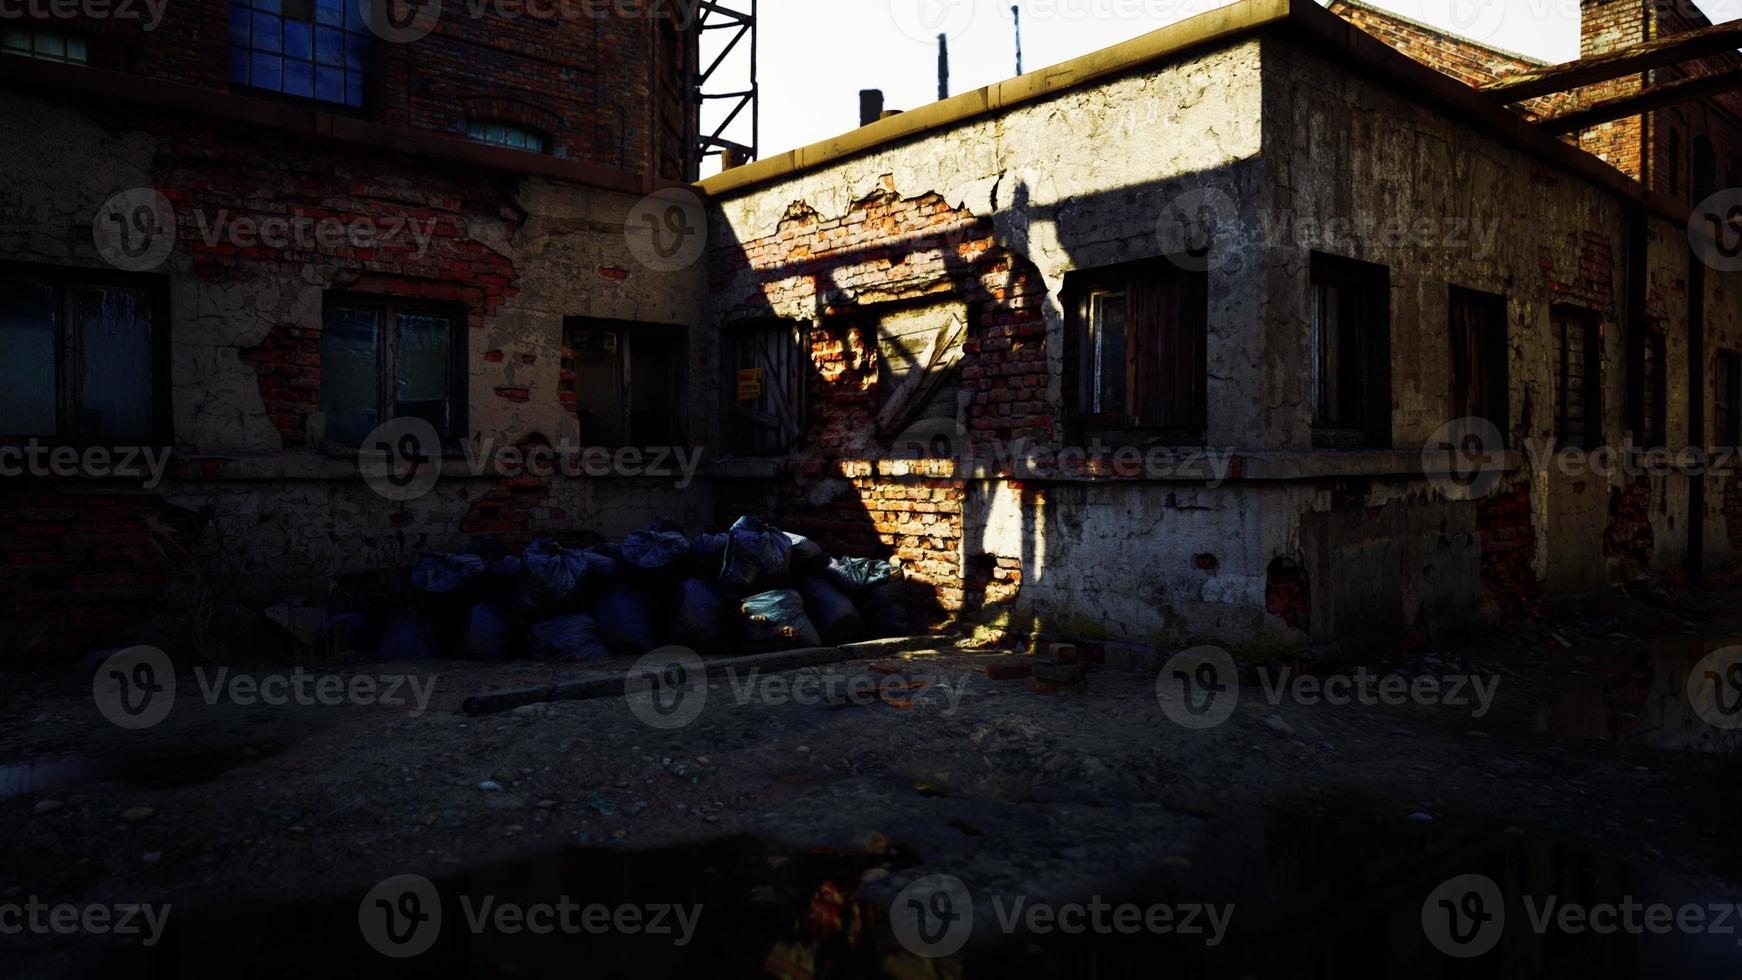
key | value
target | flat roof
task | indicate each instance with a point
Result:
(1303, 21)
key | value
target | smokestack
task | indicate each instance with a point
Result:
(1016, 14)
(943, 67)
(870, 105)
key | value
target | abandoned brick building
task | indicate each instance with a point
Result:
(1260, 251)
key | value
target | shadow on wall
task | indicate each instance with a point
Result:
(944, 455)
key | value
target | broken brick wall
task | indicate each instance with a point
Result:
(513, 254)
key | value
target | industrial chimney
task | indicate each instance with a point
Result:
(870, 105)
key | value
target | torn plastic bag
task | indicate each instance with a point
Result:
(855, 575)
(777, 619)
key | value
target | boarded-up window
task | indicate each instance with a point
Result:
(1477, 335)
(1137, 357)
(384, 359)
(82, 356)
(764, 387)
(1727, 399)
(630, 381)
(919, 354)
(1578, 360)
(1351, 352)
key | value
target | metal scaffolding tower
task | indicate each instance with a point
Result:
(736, 88)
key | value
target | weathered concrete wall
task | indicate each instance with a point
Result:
(516, 254)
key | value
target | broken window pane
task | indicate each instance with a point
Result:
(351, 373)
(1107, 312)
(27, 361)
(115, 343)
(423, 369)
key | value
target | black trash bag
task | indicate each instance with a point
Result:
(449, 575)
(655, 555)
(569, 638)
(808, 557)
(488, 547)
(758, 558)
(627, 619)
(856, 575)
(665, 525)
(706, 617)
(835, 616)
(553, 580)
(491, 634)
(777, 619)
(708, 554)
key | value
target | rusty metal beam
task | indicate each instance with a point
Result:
(1614, 64)
(1655, 97)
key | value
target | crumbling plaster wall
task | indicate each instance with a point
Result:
(1343, 147)
(518, 254)
(1090, 178)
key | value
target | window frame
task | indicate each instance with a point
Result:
(1498, 350)
(732, 428)
(1727, 418)
(1371, 282)
(33, 30)
(389, 306)
(67, 350)
(1080, 289)
(544, 148)
(1561, 317)
(1651, 425)
(367, 73)
(628, 332)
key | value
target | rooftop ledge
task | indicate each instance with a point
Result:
(1303, 21)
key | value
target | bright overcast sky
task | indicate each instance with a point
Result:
(817, 54)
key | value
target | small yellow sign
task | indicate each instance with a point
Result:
(749, 384)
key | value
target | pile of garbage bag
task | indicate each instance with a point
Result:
(752, 588)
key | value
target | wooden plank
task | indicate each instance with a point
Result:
(1614, 64)
(1655, 97)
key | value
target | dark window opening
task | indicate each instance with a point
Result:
(311, 49)
(1654, 405)
(764, 387)
(1479, 375)
(1673, 159)
(511, 135)
(1578, 366)
(45, 45)
(1351, 352)
(1137, 361)
(630, 381)
(384, 359)
(1727, 400)
(83, 357)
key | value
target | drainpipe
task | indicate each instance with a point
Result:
(1696, 415)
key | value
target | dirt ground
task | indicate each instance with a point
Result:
(795, 821)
